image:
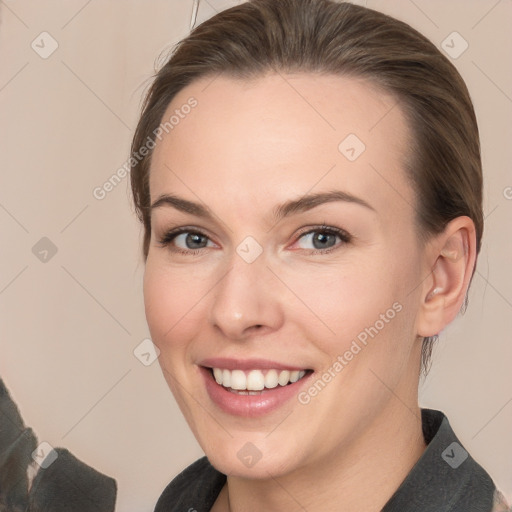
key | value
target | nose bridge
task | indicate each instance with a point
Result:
(246, 296)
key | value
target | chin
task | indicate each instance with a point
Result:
(259, 471)
(244, 459)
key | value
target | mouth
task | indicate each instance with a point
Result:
(256, 381)
(252, 392)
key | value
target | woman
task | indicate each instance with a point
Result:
(308, 175)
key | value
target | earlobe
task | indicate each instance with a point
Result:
(453, 253)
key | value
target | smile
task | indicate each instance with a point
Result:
(255, 380)
(252, 393)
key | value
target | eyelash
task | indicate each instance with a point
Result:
(169, 236)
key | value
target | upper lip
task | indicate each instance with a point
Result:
(246, 364)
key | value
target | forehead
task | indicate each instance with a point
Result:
(281, 135)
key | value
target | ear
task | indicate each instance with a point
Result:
(451, 257)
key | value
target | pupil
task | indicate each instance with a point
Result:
(322, 238)
(196, 238)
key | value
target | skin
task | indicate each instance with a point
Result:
(246, 147)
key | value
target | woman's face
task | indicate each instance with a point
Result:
(330, 284)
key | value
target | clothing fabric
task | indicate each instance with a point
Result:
(62, 482)
(445, 479)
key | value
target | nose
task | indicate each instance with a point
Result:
(247, 300)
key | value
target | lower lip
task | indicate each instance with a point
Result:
(250, 406)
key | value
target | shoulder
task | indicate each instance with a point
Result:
(195, 488)
(446, 477)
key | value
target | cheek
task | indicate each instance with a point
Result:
(172, 307)
(344, 297)
(362, 300)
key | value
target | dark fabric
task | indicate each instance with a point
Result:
(445, 479)
(433, 485)
(67, 484)
(16, 446)
(196, 488)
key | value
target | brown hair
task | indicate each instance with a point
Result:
(324, 36)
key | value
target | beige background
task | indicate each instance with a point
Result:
(69, 325)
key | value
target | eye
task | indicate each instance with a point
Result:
(185, 241)
(191, 242)
(323, 239)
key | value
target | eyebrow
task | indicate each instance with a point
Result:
(286, 209)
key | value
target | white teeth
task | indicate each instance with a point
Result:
(217, 373)
(238, 380)
(294, 376)
(284, 378)
(226, 378)
(255, 380)
(271, 379)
